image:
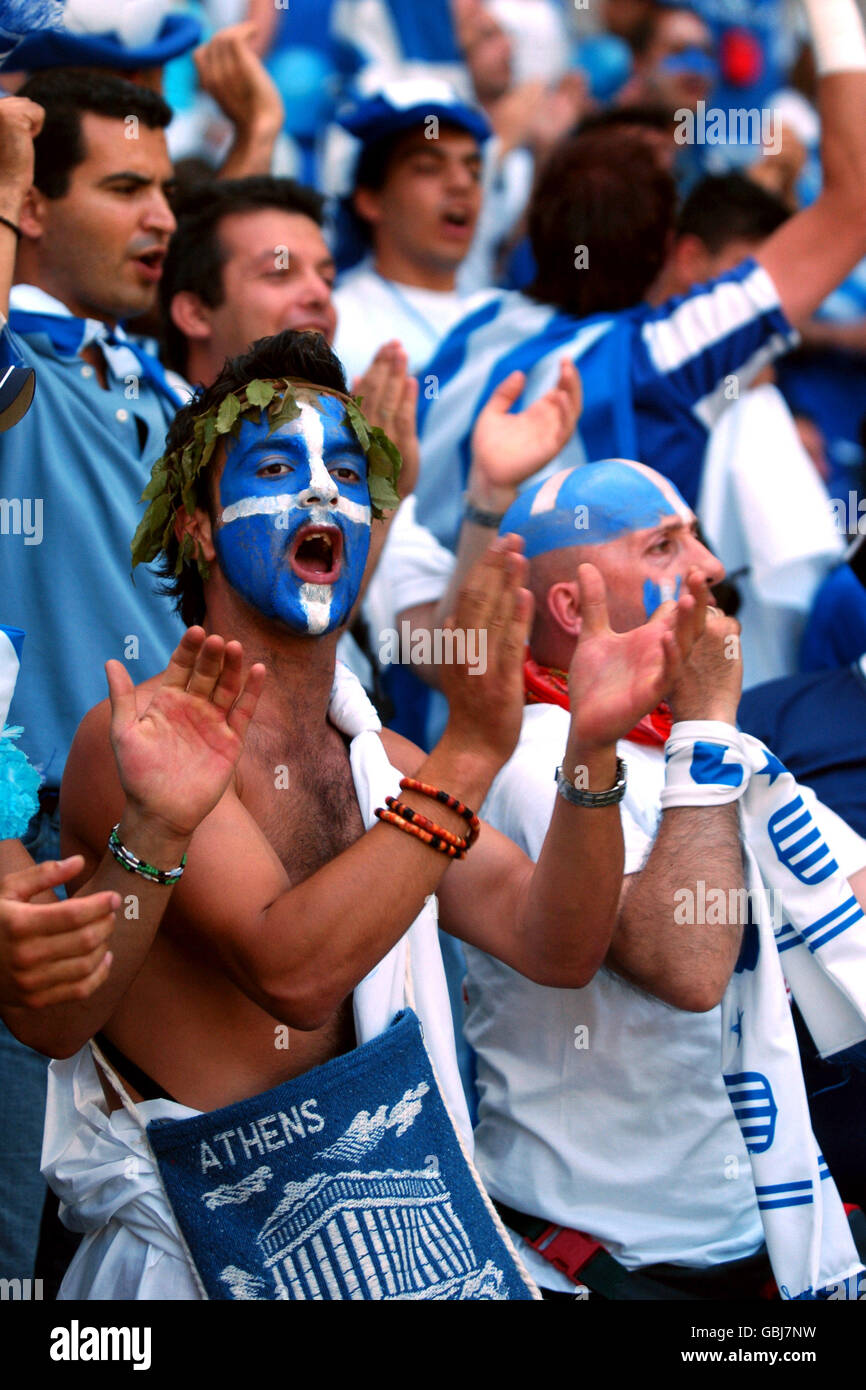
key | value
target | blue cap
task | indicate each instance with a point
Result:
(33, 36)
(408, 102)
(606, 62)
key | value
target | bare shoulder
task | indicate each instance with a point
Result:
(406, 756)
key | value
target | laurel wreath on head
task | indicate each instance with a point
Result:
(173, 486)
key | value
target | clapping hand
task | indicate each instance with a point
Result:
(508, 448)
(52, 953)
(390, 400)
(491, 620)
(177, 750)
(616, 678)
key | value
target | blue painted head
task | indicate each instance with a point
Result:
(293, 532)
(591, 505)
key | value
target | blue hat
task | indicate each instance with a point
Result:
(37, 34)
(408, 102)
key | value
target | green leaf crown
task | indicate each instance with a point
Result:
(173, 485)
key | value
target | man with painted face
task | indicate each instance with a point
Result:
(321, 524)
(289, 921)
(605, 1132)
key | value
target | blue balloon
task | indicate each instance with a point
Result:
(306, 81)
(607, 63)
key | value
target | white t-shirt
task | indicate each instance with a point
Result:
(623, 1130)
(372, 310)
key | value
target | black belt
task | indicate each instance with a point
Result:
(583, 1260)
(131, 1073)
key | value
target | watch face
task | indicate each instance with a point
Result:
(579, 797)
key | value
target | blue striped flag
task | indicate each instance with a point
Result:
(655, 380)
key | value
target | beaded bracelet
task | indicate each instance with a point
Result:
(414, 817)
(432, 838)
(134, 865)
(410, 784)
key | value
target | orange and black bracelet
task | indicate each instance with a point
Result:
(434, 838)
(410, 784)
(414, 817)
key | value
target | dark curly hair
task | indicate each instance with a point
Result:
(601, 190)
(286, 354)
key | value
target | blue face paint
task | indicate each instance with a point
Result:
(294, 530)
(694, 61)
(656, 594)
(591, 505)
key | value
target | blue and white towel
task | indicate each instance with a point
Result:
(11, 642)
(796, 887)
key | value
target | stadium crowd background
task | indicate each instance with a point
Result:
(421, 155)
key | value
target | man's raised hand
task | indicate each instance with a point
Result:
(710, 681)
(177, 750)
(20, 122)
(492, 617)
(390, 400)
(508, 448)
(616, 678)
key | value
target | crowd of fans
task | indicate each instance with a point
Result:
(596, 274)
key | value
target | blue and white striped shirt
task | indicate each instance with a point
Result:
(655, 380)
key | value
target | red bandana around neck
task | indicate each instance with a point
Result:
(545, 685)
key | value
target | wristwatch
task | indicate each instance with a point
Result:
(577, 797)
(477, 516)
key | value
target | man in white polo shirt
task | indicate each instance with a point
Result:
(606, 1132)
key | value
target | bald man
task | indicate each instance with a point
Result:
(605, 1133)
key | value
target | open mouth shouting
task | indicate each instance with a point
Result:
(316, 554)
(457, 222)
(149, 263)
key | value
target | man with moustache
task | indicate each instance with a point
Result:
(608, 1129)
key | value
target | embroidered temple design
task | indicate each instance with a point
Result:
(383, 1235)
(367, 1235)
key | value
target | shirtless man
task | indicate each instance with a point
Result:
(286, 905)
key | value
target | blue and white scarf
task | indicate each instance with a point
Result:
(819, 945)
(31, 310)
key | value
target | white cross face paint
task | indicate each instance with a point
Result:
(294, 528)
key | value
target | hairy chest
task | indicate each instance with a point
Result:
(303, 799)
